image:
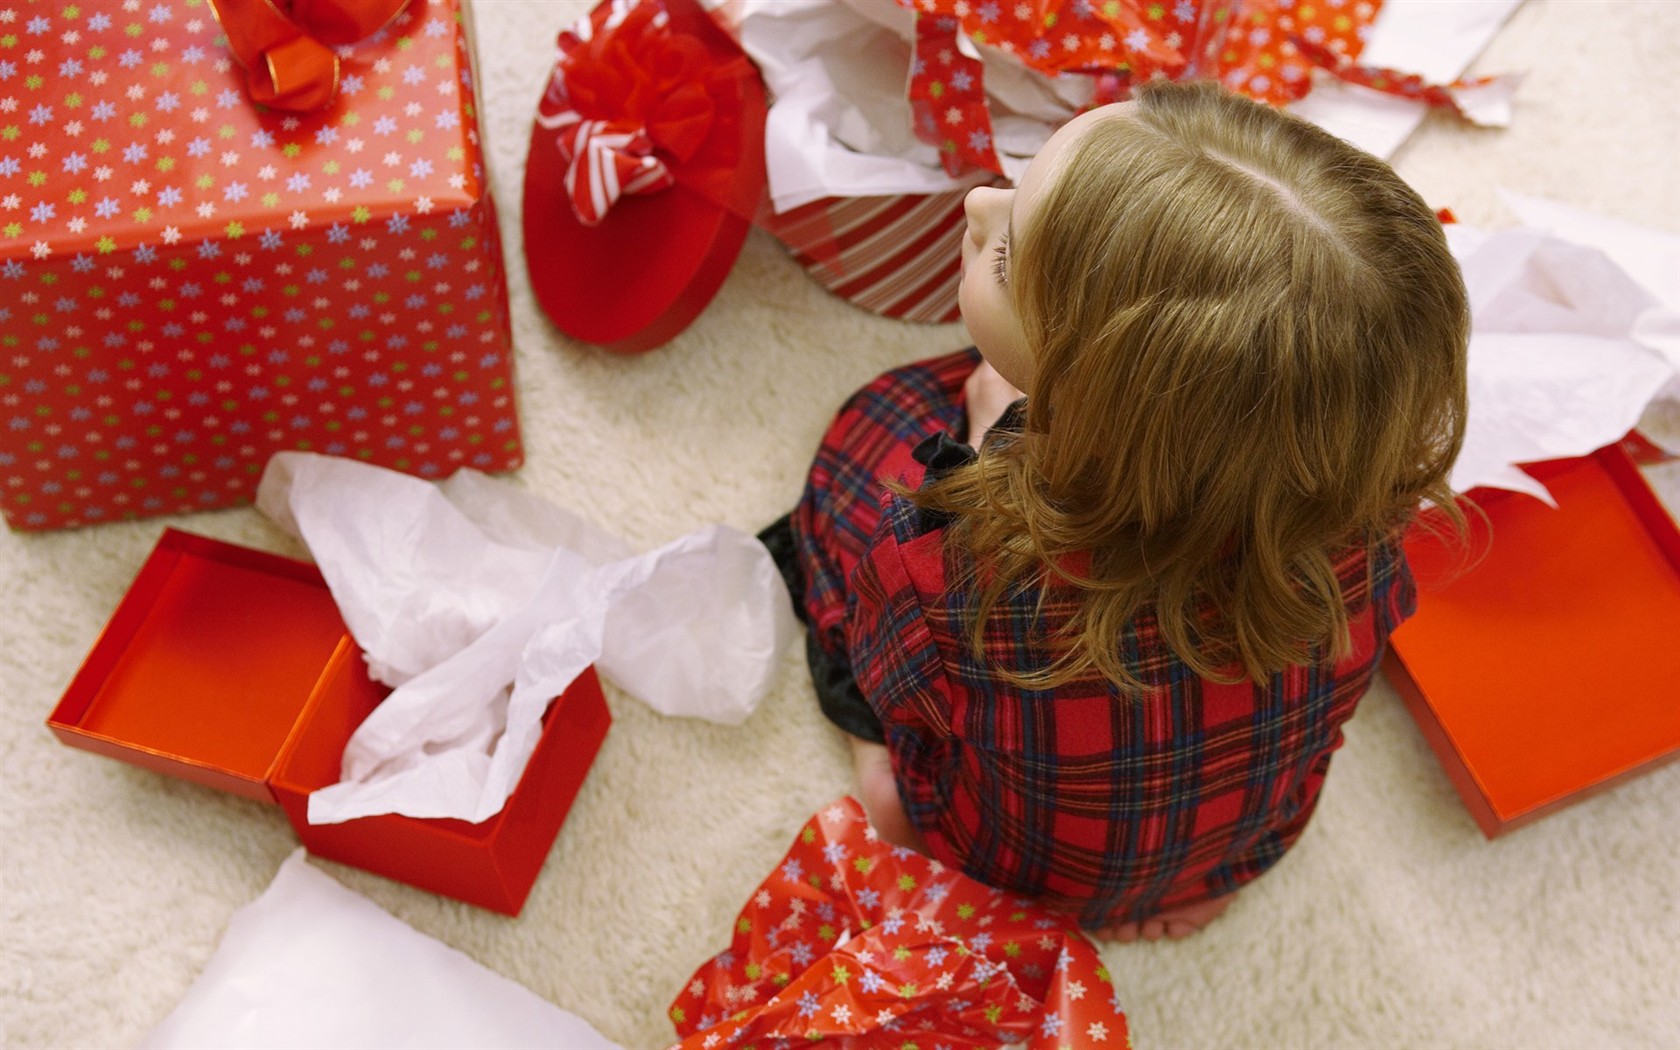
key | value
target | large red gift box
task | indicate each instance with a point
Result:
(231, 667)
(1541, 664)
(190, 282)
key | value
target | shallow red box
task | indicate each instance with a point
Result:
(1541, 663)
(231, 667)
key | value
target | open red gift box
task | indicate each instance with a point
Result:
(231, 667)
(1541, 663)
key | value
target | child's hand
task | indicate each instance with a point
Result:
(987, 395)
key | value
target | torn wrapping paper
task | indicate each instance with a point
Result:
(311, 964)
(480, 603)
(1567, 350)
(1435, 39)
(843, 125)
(839, 125)
(877, 946)
(1268, 50)
(868, 208)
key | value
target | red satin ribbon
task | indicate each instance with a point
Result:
(286, 46)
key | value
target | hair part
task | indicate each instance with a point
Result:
(1249, 358)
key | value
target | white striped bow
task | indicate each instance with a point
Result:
(605, 160)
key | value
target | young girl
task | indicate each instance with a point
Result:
(1103, 656)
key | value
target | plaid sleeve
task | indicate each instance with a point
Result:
(899, 667)
(870, 440)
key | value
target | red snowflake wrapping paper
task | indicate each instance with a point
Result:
(856, 941)
(190, 282)
(1264, 49)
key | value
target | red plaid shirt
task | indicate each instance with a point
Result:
(1114, 807)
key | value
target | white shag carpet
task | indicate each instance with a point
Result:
(1393, 924)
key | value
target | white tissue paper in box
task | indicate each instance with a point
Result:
(311, 964)
(480, 603)
(1566, 348)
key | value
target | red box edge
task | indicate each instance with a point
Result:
(1619, 461)
(581, 709)
(166, 554)
(574, 726)
(1452, 763)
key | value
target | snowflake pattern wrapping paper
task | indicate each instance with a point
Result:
(1267, 50)
(190, 282)
(856, 942)
(1249, 45)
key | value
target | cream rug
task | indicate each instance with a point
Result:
(1393, 924)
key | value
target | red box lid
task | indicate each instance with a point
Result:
(232, 668)
(1541, 662)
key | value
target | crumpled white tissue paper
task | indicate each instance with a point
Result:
(312, 964)
(480, 603)
(1651, 257)
(1566, 349)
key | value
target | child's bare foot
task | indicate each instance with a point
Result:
(879, 794)
(1174, 923)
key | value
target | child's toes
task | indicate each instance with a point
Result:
(1122, 932)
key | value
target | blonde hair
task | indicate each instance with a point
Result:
(1249, 348)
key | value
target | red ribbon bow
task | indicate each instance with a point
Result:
(629, 100)
(286, 46)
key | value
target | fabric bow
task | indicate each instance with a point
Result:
(628, 102)
(286, 46)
